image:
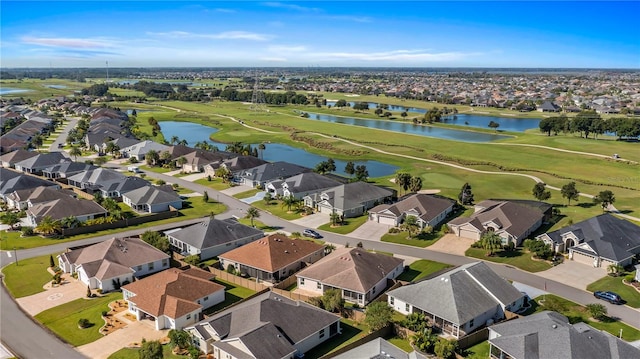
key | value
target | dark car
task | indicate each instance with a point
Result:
(610, 297)
(311, 233)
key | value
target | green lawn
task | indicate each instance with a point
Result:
(276, 208)
(517, 258)
(478, 351)
(351, 332)
(215, 183)
(247, 194)
(421, 240)
(401, 343)
(126, 353)
(233, 293)
(349, 225)
(614, 284)
(63, 319)
(578, 313)
(35, 269)
(420, 269)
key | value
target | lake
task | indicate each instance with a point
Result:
(506, 123)
(9, 90)
(56, 86)
(193, 132)
(410, 127)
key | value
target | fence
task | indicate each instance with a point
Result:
(287, 282)
(119, 224)
(474, 338)
(386, 331)
(234, 279)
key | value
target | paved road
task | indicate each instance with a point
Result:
(62, 138)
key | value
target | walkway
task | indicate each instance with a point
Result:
(70, 290)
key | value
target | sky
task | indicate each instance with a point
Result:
(539, 34)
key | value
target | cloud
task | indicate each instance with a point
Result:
(291, 6)
(397, 55)
(286, 48)
(63, 42)
(361, 19)
(226, 35)
(274, 59)
(226, 11)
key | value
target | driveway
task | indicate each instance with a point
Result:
(574, 274)
(370, 230)
(450, 243)
(235, 190)
(255, 198)
(194, 177)
(312, 220)
(71, 289)
(109, 344)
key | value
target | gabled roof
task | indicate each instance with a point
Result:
(308, 181)
(17, 156)
(68, 168)
(172, 292)
(125, 185)
(11, 181)
(40, 194)
(461, 294)
(256, 343)
(65, 206)
(272, 252)
(550, 335)
(240, 163)
(609, 236)
(377, 349)
(213, 232)
(97, 176)
(43, 160)
(271, 171)
(151, 195)
(352, 195)
(143, 147)
(426, 206)
(354, 269)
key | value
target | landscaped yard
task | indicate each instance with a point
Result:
(402, 344)
(478, 351)
(614, 284)
(348, 226)
(277, 209)
(233, 293)
(421, 240)
(126, 353)
(517, 258)
(578, 313)
(215, 183)
(420, 269)
(63, 319)
(351, 331)
(247, 194)
(28, 277)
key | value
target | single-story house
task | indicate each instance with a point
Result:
(599, 241)
(272, 258)
(212, 237)
(173, 298)
(260, 175)
(460, 301)
(265, 326)
(63, 207)
(429, 210)
(10, 159)
(95, 177)
(66, 169)
(548, 106)
(378, 349)
(550, 335)
(11, 181)
(349, 200)
(140, 149)
(152, 199)
(117, 260)
(234, 164)
(301, 185)
(36, 164)
(196, 160)
(25, 198)
(359, 275)
(512, 220)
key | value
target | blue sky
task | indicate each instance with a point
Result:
(320, 33)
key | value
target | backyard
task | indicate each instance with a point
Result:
(233, 293)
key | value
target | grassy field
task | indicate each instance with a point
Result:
(215, 183)
(614, 284)
(126, 353)
(351, 331)
(247, 194)
(347, 226)
(233, 293)
(33, 268)
(517, 258)
(63, 319)
(420, 269)
(277, 209)
(478, 351)
(421, 240)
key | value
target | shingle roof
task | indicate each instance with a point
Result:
(43, 160)
(65, 206)
(427, 206)
(212, 232)
(151, 195)
(271, 171)
(309, 181)
(549, 335)
(11, 181)
(374, 349)
(352, 195)
(40, 194)
(272, 252)
(351, 268)
(17, 156)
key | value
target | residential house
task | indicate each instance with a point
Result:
(212, 237)
(117, 260)
(272, 258)
(378, 349)
(260, 175)
(120, 142)
(234, 164)
(359, 275)
(11, 181)
(550, 335)
(429, 210)
(265, 326)
(548, 106)
(599, 241)
(460, 301)
(10, 159)
(152, 199)
(301, 185)
(24, 198)
(108, 183)
(66, 169)
(512, 220)
(196, 160)
(63, 207)
(173, 298)
(140, 149)
(36, 164)
(349, 200)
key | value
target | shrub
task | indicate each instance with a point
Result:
(193, 259)
(231, 269)
(84, 323)
(446, 349)
(209, 178)
(394, 230)
(99, 290)
(630, 278)
(597, 310)
(161, 182)
(105, 313)
(27, 231)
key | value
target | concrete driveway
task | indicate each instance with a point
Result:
(574, 274)
(370, 230)
(71, 289)
(450, 243)
(235, 190)
(255, 198)
(109, 344)
(312, 220)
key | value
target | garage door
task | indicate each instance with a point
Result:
(466, 233)
(326, 210)
(387, 220)
(605, 263)
(583, 258)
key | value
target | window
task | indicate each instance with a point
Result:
(391, 300)
(407, 307)
(373, 291)
(205, 299)
(139, 268)
(471, 323)
(319, 285)
(301, 281)
(165, 262)
(321, 333)
(151, 266)
(188, 316)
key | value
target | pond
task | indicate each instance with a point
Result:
(9, 90)
(506, 123)
(60, 87)
(410, 127)
(193, 132)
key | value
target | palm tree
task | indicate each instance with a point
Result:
(402, 180)
(289, 201)
(183, 142)
(491, 242)
(261, 147)
(410, 223)
(415, 184)
(10, 219)
(70, 222)
(252, 213)
(152, 157)
(75, 152)
(174, 140)
(335, 218)
(181, 161)
(48, 226)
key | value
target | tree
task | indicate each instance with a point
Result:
(289, 201)
(261, 148)
(52, 263)
(404, 115)
(402, 180)
(165, 157)
(151, 350)
(75, 152)
(597, 310)
(110, 204)
(10, 219)
(411, 223)
(350, 168)
(415, 184)
(378, 315)
(252, 212)
(332, 301)
(570, 192)
(424, 340)
(540, 193)
(445, 349)
(494, 125)
(152, 157)
(466, 196)
(205, 197)
(157, 240)
(48, 226)
(179, 339)
(267, 198)
(174, 140)
(331, 165)
(604, 198)
(361, 173)
(491, 242)
(334, 217)
(181, 161)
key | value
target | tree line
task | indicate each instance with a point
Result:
(590, 122)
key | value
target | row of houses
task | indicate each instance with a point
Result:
(31, 123)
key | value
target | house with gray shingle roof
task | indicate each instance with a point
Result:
(599, 241)
(460, 301)
(11, 181)
(36, 164)
(212, 237)
(152, 199)
(66, 169)
(359, 275)
(301, 185)
(25, 198)
(265, 326)
(140, 149)
(549, 335)
(349, 200)
(378, 349)
(10, 159)
(429, 210)
(63, 207)
(264, 173)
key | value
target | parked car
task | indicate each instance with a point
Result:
(311, 233)
(610, 297)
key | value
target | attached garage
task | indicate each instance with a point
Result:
(583, 258)
(469, 233)
(386, 220)
(324, 209)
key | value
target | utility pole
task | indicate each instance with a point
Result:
(15, 254)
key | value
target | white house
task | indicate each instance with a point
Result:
(152, 199)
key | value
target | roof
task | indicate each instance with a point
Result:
(352, 195)
(461, 294)
(68, 168)
(376, 349)
(143, 147)
(271, 171)
(11, 181)
(272, 252)
(43, 160)
(240, 163)
(97, 176)
(40, 194)
(351, 268)
(309, 181)
(151, 195)
(213, 232)
(17, 156)
(65, 206)
(172, 292)
(426, 206)
(549, 335)
(256, 344)
(609, 236)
